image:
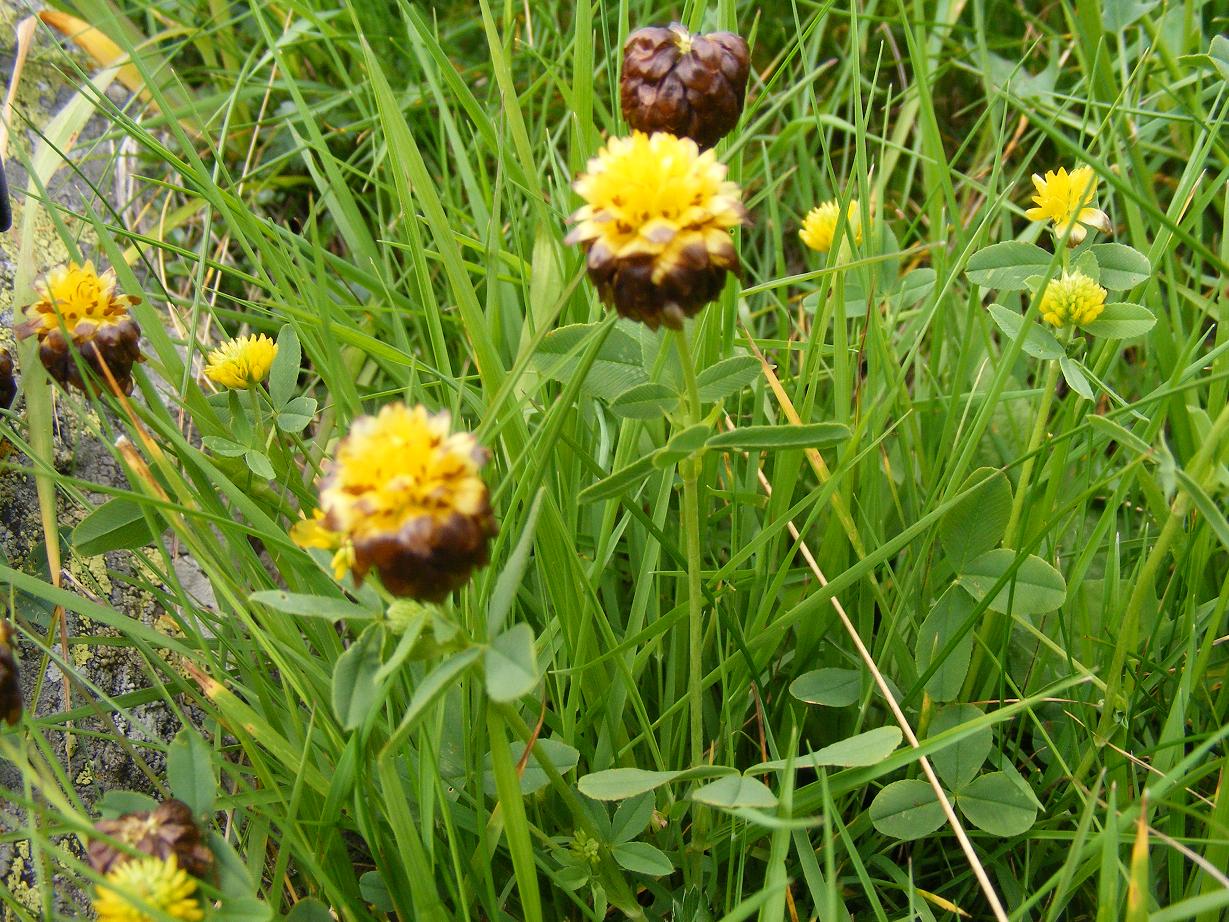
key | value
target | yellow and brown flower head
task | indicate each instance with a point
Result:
(691, 86)
(77, 307)
(10, 678)
(240, 363)
(819, 226)
(169, 831)
(134, 887)
(1067, 200)
(405, 496)
(1073, 300)
(8, 383)
(656, 226)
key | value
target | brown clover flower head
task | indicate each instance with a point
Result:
(10, 679)
(687, 85)
(79, 307)
(167, 832)
(405, 498)
(656, 225)
(8, 383)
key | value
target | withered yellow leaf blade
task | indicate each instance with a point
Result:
(98, 45)
(946, 905)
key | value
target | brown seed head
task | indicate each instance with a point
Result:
(168, 830)
(687, 85)
(10, 679)
(8, 383)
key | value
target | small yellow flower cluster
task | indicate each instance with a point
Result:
(819, 227)
(1067, 199)
(144, 884)
(1073, 300)
(405, 498)
(656, 225)
(80, 307)
(241, 363)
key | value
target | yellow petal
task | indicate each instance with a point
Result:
(312, 533)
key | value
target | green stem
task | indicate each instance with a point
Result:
(690, 470)
(695, 633)
(1034, 443)
(258, 416)
(990, 626)
(689, 376)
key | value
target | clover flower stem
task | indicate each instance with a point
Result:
(689, 376)
(257, 412)
(690, 469)
(313, 470)
(990, 626)
(1030, 461)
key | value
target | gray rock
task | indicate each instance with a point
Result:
(101, 668)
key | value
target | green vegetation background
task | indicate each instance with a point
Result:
(387, 187)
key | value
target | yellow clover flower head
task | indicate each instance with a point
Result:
(404, 497)
(1067, 199)
(819, 227)
(656, 225)
(1073, 300)
(240, 363)
(157, 883)
(79, 306)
